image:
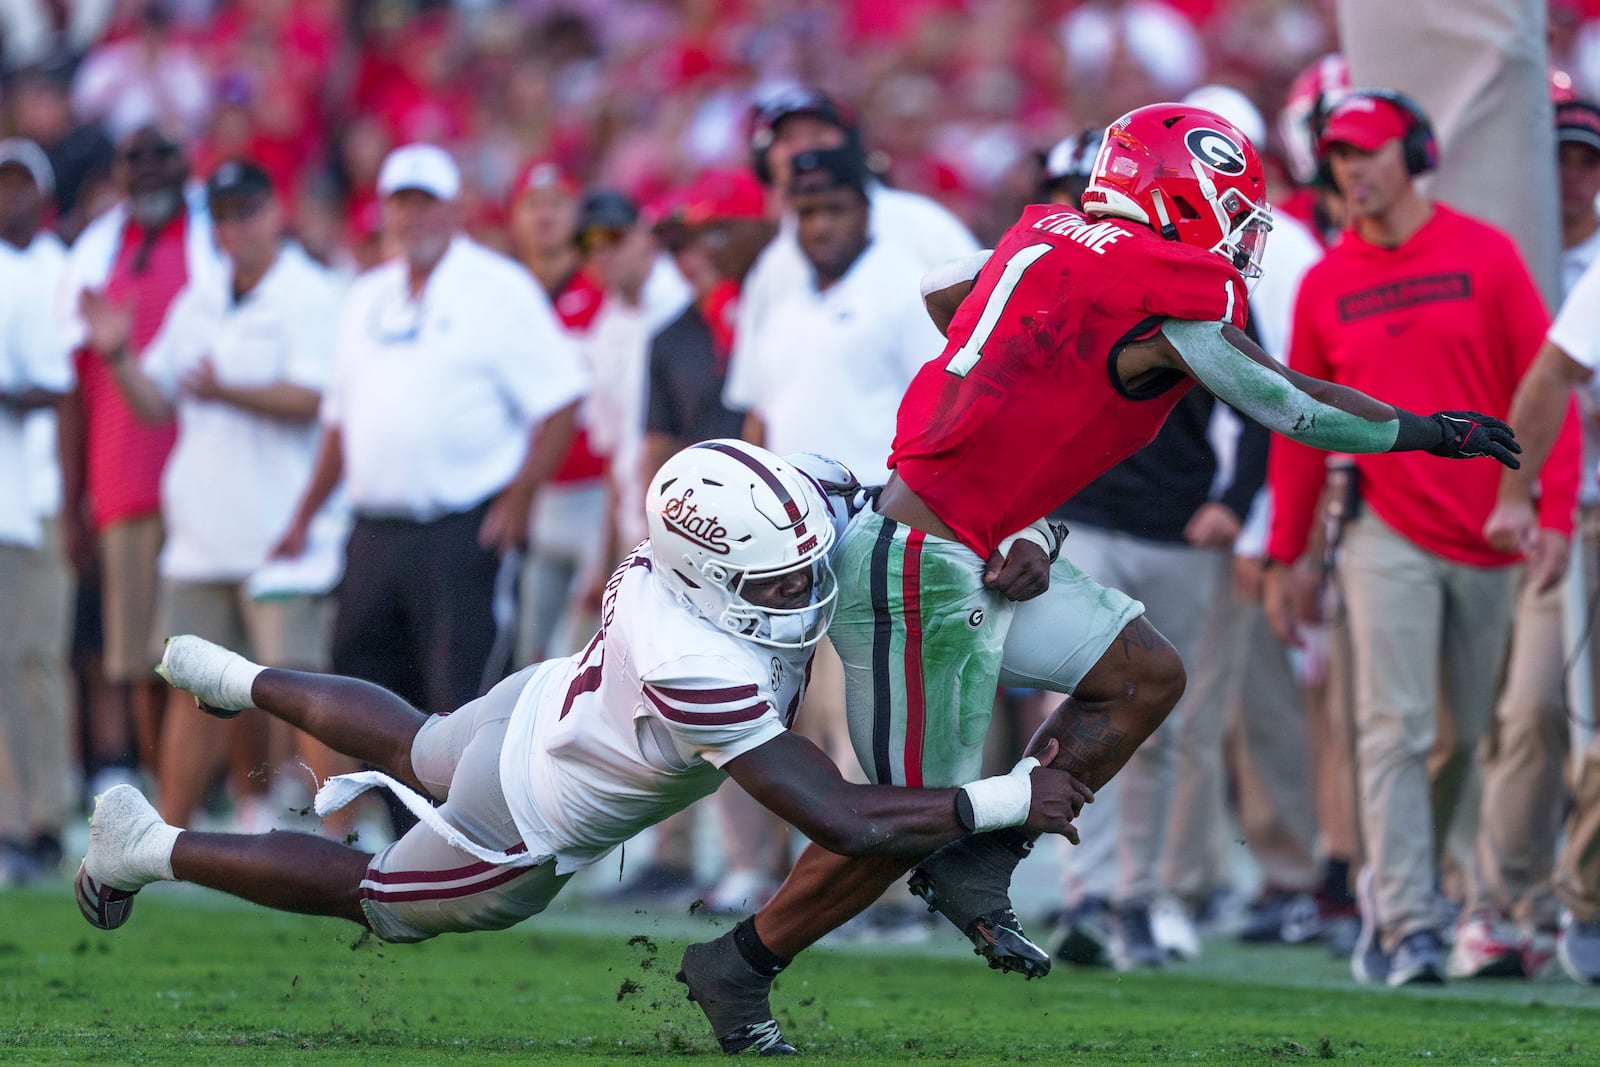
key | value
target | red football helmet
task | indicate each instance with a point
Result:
(1311, 96)
(1190, 175)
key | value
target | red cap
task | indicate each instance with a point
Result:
(722, 194)
(1366, 123)
(543, 174)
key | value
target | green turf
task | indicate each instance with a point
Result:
(196, 979)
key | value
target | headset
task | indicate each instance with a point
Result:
(1418, 145)
(765, 116)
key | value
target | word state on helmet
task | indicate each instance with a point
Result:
(1189, 174)
(726, 518)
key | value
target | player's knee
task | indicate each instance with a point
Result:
(1162, 681)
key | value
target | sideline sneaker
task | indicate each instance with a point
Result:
(1486, 947)
(1083, 936)
(1369, 964)
(733, 998)
(1418, 959)
(219, 679)
(969, 882)
(1579, 951)
(129, 847)
(1279, 915)
(1537, 946)
(1133, 942)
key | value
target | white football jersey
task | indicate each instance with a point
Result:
(639, 725)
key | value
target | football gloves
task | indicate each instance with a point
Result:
(1469, 435)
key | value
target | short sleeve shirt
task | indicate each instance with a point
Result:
(436, 394)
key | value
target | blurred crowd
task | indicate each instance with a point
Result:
(636, 224)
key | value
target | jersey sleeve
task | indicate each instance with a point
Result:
(712, 709)
(1181, 284)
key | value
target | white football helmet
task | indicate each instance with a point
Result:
(723, 514)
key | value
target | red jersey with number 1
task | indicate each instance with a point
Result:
(1023, 408)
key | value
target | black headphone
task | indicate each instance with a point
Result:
(1418, 145)
(764, 119)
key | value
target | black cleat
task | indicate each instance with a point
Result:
(733, 997)
(997, 936)
(970, 887)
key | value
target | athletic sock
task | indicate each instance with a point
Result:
(761, 959)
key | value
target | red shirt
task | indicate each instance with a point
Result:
(1022, 409)
(576, 304)
(124, 455)
(1449, 320)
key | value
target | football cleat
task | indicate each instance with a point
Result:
(219, 678)
(129, 847)
(997, 936)
(968, 882)
(733, 997)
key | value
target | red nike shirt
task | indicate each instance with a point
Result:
(1450, 320)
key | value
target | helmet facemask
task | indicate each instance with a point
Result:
(799, 626)
(1245, 227)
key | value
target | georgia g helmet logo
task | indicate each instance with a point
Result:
(1216, 150)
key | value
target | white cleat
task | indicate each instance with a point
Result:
(220, 679)
(129, 847)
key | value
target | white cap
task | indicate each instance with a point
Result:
(1234, 106)
(30, 157)
(420, 166)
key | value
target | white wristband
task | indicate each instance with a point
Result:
(1003, 800)
(1039, 533)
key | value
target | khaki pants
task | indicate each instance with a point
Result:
(1525, 761)
(129, 552)
(1243, 677)
(36, 777)
(1577, 877)
(1416, 621)
(1125, 830)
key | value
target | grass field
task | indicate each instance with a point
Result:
(199, 979)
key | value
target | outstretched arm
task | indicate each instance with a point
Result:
(795, 780)
(1318, 413)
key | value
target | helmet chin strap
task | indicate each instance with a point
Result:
(1167, 229)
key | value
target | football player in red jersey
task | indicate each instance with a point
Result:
(1067, 347)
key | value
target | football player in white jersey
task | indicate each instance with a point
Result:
(706, 637)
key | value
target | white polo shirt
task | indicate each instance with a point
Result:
(618, 346)
(825, 371)
(917, 225)
(436, 396)
(1576, 330)
(234, 477)
(30, 358)
(44, 259)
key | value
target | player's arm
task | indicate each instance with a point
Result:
(1314, 412)
(795, 780)
(1540, 405)
(945, 286)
